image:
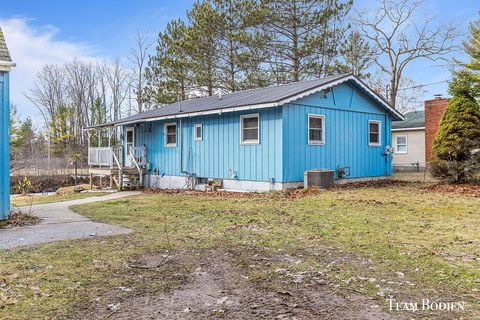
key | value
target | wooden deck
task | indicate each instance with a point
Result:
(128, 178)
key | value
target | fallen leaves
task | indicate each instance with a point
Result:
(20, 219)
(466, 189)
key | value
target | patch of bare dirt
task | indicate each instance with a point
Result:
(466, 189)
(74, 189)
(383, 183)
(47, 183)
(21, 219)
(218, 287)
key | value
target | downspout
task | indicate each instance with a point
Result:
(388, 155)
(181, 146)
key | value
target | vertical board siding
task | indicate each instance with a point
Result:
(219, 154)
(4, 147)
(347, 112)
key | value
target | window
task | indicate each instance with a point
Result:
(374, 133)
(400, 144)
(249, 129)
(171, 134)
(316, 130)
(197, 132)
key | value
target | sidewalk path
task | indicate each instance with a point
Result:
(61, 223)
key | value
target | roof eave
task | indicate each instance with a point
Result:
(408, 129)
(7, 65)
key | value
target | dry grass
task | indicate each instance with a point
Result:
(26, 200)
(401, 241)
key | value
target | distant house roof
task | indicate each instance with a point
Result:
(252, 99)
(4, 54)
(413, 119)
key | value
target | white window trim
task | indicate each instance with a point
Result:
(318, 116)
(406, 144)
(371, 144)
(250, 142)
(170, 145)
(132, 130)
(195, 138)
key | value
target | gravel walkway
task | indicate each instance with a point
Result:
(61, 223)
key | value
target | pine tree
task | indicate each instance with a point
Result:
(357, 56)
(203, 36)
(305, 37)
(61, 131)
(14, 142)
(472, 49)
(25, 136)
(240, 45)
(456, 149)
(169, 71)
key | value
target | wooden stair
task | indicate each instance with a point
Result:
(129, 179)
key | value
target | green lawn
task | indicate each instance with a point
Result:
(27, 200)
(400, 241)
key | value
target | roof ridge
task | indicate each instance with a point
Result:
(259, 88)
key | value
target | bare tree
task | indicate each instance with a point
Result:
(410, 94)
(76, 95)
(117, 79)
(48, 92)
(139, 60)
(400, 36)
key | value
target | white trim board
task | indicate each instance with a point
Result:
(408, 129)
(316, 143)
(248, 116)
(7, 65)
(379, 143)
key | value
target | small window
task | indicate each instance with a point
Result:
(374, 133)
(401, 144)
(316, 130)
(197, 132)
(249, 130)
(171, 134)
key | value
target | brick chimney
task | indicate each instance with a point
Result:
(434, 110)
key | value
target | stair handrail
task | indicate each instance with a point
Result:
(116, 159)
(130, 152)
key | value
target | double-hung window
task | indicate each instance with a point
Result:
(197, 132)
(400, 144)
(250, 129)
(171, 134)
(374, 133)
(316, 129)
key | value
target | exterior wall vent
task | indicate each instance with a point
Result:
(320, 178)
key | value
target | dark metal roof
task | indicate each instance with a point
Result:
(413, 119)
(4, 54)
(254, 98)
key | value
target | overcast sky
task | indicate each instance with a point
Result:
(56, 31)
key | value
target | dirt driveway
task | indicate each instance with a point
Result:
(216, 287)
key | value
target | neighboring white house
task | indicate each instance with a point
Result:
(408, 140)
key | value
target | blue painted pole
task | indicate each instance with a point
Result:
(4, 148)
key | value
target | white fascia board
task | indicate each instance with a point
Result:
(408, 129)
(203, 113)
(342, 80)
(7, 65)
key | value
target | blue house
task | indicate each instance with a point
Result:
(260, 139)
(5, 66)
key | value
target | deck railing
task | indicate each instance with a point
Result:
(109, 156)
(100, 156)
(140, 155)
